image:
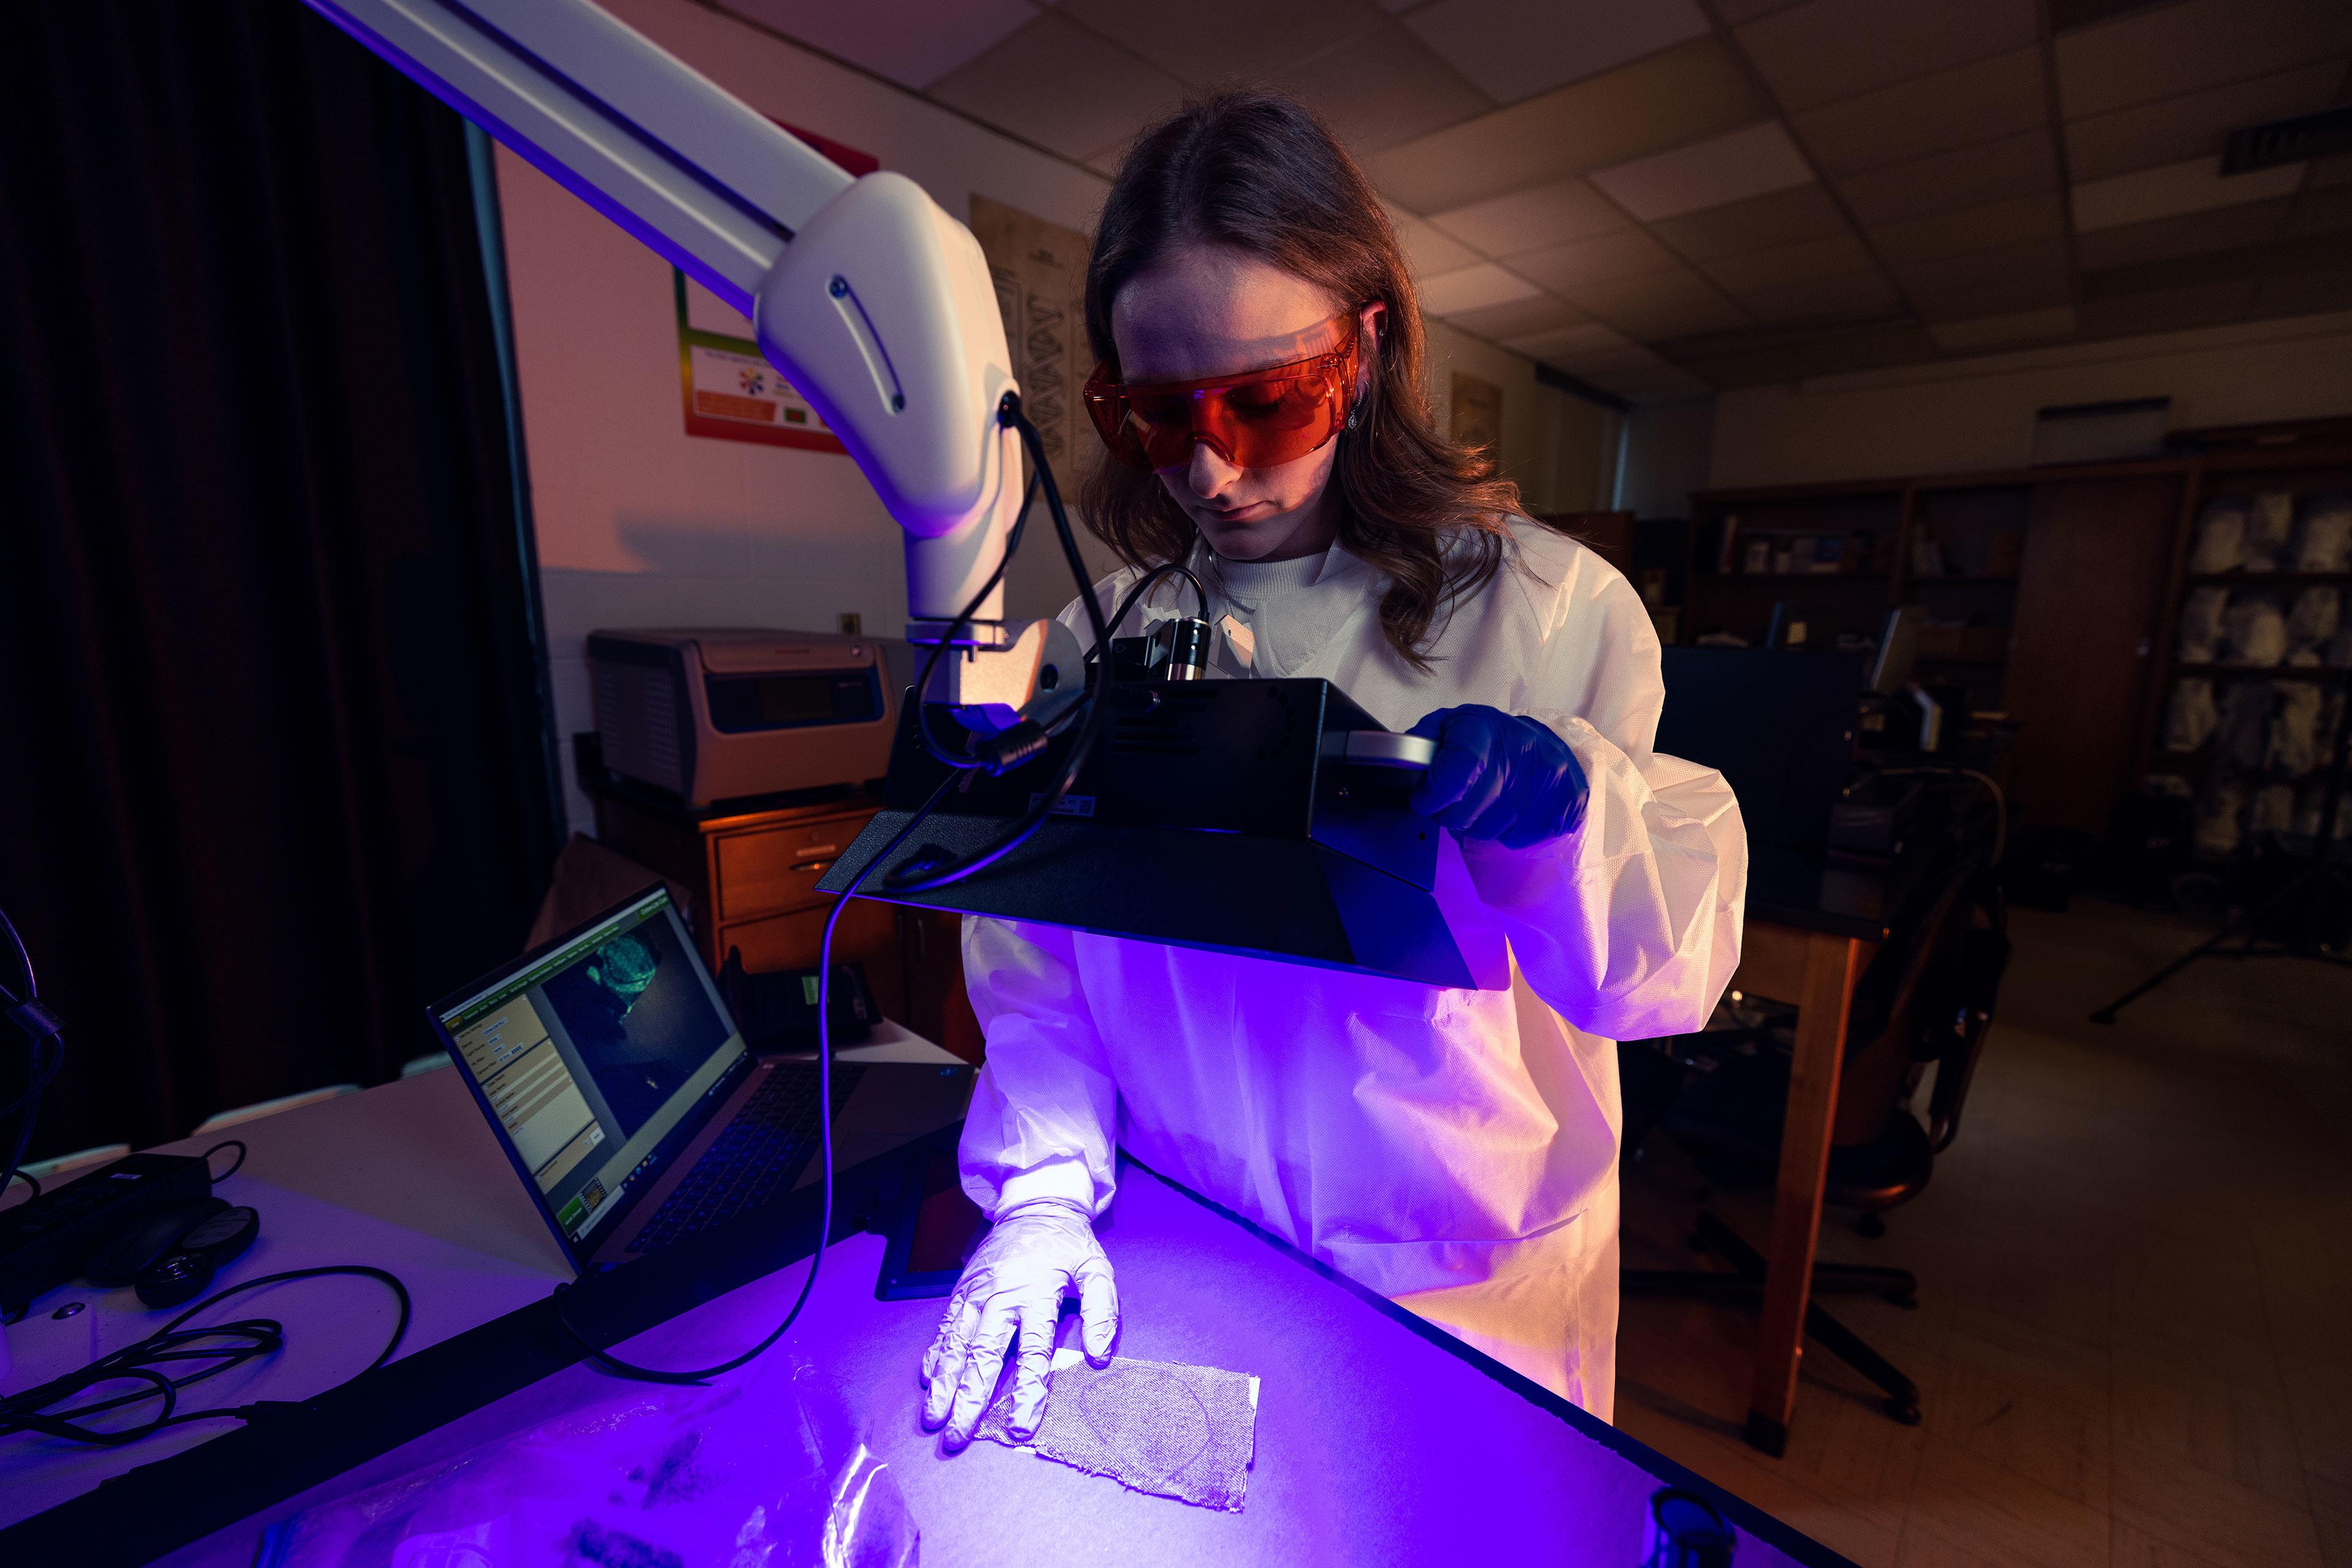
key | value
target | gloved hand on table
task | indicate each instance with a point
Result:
(1497, 776)
(1037, 1253)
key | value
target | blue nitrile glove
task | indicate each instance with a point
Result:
(1499, 777)
(1038, 1253)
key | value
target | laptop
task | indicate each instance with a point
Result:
(629, 1104)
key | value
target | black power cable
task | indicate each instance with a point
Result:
(215, 1348)
(1145, 584)
(44, 1029)
(960, 769)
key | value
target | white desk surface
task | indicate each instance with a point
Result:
(407, 1177)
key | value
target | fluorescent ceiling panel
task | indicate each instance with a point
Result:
(1382, 90)
(880, 39)
(1205, 41)
(1513, 49)
(1693, 90)
(1828, 50)
(1101, 94)
(2167, 49)
(1530, 220)
(1752, 162)
(2194, 186)
(1474, 289)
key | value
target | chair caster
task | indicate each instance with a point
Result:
(1869, 1227)
(1905, 1411)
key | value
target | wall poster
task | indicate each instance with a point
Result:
(1478, 414)
(1040, 271)
(730, 392)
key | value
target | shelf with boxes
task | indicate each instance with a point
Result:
(2258, 656)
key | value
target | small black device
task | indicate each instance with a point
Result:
(47, 1241)
(1266, 818)
(776, 1009)
(124, 1255)
(183, 1273)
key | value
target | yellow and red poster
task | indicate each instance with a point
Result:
(731, 392)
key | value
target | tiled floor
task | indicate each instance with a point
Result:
(2134, 1323)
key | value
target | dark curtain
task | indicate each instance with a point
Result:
(272, 773)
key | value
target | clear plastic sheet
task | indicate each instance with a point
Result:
(766, 1471)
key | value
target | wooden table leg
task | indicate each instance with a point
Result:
(1831, 966)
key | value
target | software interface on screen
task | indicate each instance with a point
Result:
(596, 1053)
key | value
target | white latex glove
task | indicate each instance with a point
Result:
(1038, 1253)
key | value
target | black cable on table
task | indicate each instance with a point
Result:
(28, 1411)
(225, 1143)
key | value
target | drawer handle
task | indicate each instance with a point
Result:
(815, 864)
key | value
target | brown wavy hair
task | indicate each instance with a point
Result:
(1257, 173)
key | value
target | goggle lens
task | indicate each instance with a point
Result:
(1259, 420)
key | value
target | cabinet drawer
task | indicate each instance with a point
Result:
(777, 867)
(868, 934)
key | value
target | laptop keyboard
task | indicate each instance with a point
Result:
(761, 1150)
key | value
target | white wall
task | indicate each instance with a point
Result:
(1979, 413)
(1665, 454)
(640, 525)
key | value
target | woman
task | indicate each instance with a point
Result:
(1455, 1150)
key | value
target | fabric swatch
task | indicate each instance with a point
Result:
(1156, 1426)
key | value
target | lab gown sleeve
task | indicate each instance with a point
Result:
(1629, 925)
(1044, 1114)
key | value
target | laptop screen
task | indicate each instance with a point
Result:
(598, 1058)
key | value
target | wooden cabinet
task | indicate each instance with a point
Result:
(2097, 556)
(751, 878)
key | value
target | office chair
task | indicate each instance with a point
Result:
(1926, 1001)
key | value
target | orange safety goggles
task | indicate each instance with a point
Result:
(1253, 419)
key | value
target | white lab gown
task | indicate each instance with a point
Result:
(1454, 1150)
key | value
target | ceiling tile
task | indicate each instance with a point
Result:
(1629, 252)
(1473, 287)
(1659, 304)
(1828, 50)
(2195, 124)
(2171, 49)
(879, 39)
(1751, 161)
(2167, 191)
(1945, 182)
(2041, 216)
(1694, 90)
(1784, 217)
(1382, 90)
(1985, 99)
(1102, 94)
(1834, 255)
(1221, 40)
(1427, 251)
(1519, 318)
(2190, 234)
(2322, 210)
(1738, 11)
(1578, 343)
(1513, 49)
(1865, 296)
(1530, 220)
(2020, 327)
(2030, 277)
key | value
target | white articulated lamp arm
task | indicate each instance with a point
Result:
(872, 301)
